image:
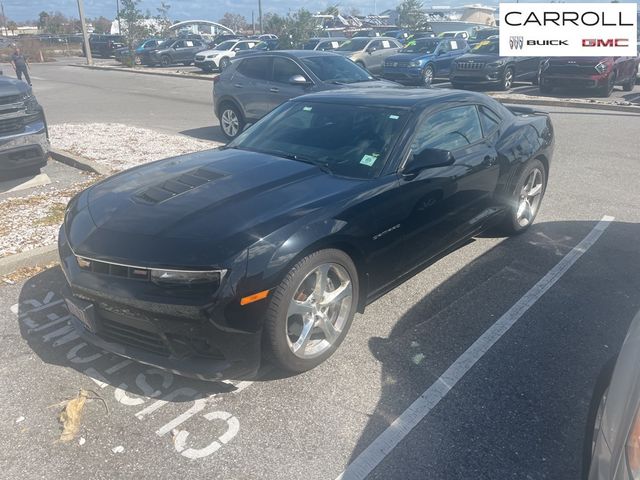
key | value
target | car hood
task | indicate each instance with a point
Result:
(11, 87)
(480, 58)
(242, 197)
(408, 57)
(213, 52)
(367, 84)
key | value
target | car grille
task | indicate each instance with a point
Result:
(106, 268)
(176, 186)
(10, 99)
(200, 57)
(571, 70)
(469, 66)
(11, 125)
(125, 334)
(396, 64)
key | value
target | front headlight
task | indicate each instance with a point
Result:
(185, 277)
(210, 56)
(415, 63)
(499, 63)
(602, 67)
(32, 106)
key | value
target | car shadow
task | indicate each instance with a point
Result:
(211, 133)
(43, 319)
(522, 410)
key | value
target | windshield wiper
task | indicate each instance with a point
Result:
(301, 158)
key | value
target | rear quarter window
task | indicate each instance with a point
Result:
(256, 68)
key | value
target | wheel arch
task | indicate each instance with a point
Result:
(232, 101)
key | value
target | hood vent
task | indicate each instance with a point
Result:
(177, 185)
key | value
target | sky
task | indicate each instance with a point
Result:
(23, 10)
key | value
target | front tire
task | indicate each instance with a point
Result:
(629, 84)
(311, 311)
(224, 63)
(507, 79)
(607, 89)
(231, 121)
(525, 203)
(427, 75)
(165, 60)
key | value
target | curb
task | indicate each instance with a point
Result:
(78, 162)
(567, 104)
(143, 72)
(30, 258)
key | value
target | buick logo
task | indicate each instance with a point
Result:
(516, 43)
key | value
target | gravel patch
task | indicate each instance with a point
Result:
(118, 146)
(32, 221)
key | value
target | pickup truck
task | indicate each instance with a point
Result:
(104, 45)
(601, 74)
(24, 138)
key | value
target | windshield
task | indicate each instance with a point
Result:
(422, 45)
(228, 45)
(346, 140)
(484, 34)
(310, 44)
(487, 47)
(336, 69)
(353, 45)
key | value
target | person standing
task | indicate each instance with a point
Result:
(20, 65)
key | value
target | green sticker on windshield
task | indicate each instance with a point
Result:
(369, 160)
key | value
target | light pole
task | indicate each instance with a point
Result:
(260, 16)
(118, 14)
(85, 35)
(4, 20)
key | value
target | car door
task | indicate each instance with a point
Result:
(374, 55)
(280, 88)
(250, 85)
(526, 68)
(446, 204)
(444, 57)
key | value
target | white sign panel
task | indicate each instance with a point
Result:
(568, 29)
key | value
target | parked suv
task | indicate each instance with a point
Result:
(104, 45)
(369, 52)
(254, 85)
(174, 51)
(595, 73)
(323, 43)
(219, 57)
(483, 65)
(24, 140)
(422, 60)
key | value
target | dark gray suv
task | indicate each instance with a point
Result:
(254, 85)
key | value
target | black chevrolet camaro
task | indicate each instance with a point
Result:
(206, 263)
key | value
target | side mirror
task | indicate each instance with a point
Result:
(428, 158)
(299, 80)
(370, 50)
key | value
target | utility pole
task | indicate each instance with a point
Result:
(253, 23)
(260, 16)
(4, 20)
(85, 35)
(118, 14)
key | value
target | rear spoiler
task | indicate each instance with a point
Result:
(517, 110)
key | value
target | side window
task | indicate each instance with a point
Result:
(256, 68)
(284, 69)
(444, 47)
(449, 129)
(489, 119)
(377, 45)
(179, 44)
(242, 46)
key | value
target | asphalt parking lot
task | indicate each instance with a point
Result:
(563, 295)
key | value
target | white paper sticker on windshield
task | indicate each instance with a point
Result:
(394, 117)
(454, 45)
(335, 44)
(307, 109)
(369, 160)
(386, 44)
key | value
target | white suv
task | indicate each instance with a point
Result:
(221, 55)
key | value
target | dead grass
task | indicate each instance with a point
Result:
(54, 217)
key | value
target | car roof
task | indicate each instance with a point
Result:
(376, 38)
(298, 53)
(392, 97)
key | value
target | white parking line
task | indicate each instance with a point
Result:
(400, 428)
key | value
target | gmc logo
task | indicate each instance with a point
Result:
(609, 42)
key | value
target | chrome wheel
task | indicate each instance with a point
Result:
(427, 75)
(230, 123)
(319, 310)
(530, 197)
(508, 79)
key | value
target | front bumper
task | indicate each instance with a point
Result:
(481, 77)
(409, 76)
(27, 147)
(205, 64)
(198, 338)
(590, 81)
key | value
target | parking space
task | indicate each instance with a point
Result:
(518, 411)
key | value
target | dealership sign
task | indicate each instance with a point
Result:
(568, 29)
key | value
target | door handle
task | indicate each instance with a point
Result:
(274, 89)
(238, 85)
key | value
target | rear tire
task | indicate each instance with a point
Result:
(231, 121)
(526, 200)
(303, 326)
